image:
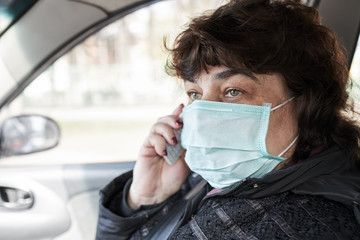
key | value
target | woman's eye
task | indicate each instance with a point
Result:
(233, 93)
(194, 96)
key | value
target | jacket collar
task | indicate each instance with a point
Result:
(323, 174)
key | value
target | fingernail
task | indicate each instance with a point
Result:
(174, 140)
(164, 153)
(179, 122)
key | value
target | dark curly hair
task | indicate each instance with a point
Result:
(284, 37)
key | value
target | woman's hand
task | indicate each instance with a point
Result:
(154, 180)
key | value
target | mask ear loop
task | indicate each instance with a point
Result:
(286, 149)
(282, 104)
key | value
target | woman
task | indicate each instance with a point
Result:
(267, 127)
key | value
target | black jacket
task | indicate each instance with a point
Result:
(318, 198)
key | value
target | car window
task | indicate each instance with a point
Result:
(107, 92)
(11, 10)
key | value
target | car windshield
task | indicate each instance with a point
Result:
(11, 10)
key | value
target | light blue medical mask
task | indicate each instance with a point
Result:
(226, 142)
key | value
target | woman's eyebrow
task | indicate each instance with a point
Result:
(226, 74)
(231, 72)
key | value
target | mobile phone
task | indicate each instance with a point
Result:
(174, 152)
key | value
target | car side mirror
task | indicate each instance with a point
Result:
(26, 134)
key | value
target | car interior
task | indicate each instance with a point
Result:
(82, 81)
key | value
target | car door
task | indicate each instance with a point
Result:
(97, 69)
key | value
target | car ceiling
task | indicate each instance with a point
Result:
(48, 30)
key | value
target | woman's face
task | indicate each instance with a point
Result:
(222, 84)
